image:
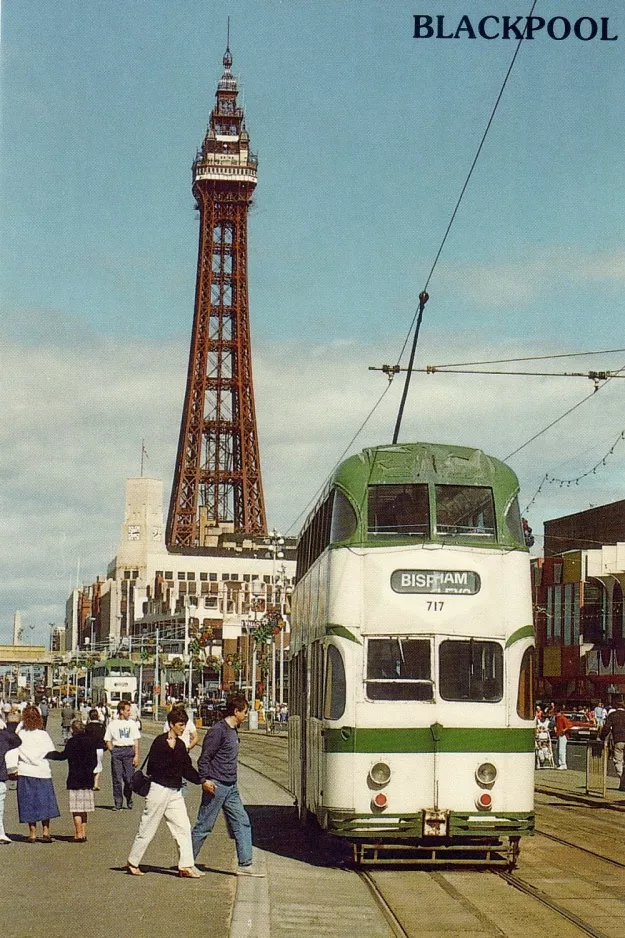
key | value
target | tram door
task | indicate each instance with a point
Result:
(298, 722)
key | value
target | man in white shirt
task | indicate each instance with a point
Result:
(122, 740)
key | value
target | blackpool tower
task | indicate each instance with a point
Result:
(217, 477)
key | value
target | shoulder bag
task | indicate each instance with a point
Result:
(140, 783)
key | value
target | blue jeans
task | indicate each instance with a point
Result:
(228, 798)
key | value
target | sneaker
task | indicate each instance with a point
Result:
(117, 808)
(562, 767)
(5, 840)
(129, 806)
(248, 871)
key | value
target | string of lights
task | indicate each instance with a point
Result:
(552, 480)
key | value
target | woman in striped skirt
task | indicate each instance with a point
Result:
(80, 752)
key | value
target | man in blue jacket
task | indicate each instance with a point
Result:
(217, 767)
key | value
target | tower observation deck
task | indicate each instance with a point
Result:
(217, 478)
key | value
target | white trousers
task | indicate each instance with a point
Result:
(169, 804)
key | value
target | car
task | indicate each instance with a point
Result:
(581, 726)
(148, 707)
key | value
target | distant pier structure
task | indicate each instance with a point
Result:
(217, 480)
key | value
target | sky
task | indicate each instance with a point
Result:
(365, 136)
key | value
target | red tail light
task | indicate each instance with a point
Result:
(484, 801)
(380, 800)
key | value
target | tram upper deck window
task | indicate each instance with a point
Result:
(344, 520)
(399, 509)
(465, 510)
(513, 521)
(399, 669)
(471, 670)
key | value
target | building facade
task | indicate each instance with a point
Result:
(579, 620)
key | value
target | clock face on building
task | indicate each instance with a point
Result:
(227, 107)
(134, 532)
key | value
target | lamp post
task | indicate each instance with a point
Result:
(275, 543)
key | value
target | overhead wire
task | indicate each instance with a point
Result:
(355, 437)
(423, 295)
(565, 414)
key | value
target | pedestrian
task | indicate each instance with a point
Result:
(600, 713)
(168, 763)
(36, 800)
(190, 736)
(80, 752)
(122, 740)
(95, 729)
(44, 710)
(67, 717)
(8, 741)
(217, 766)
(562, 727)
(614, 726)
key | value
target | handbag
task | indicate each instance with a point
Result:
(140, 783)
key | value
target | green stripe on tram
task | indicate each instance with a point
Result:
(526, 631)
(421, 739)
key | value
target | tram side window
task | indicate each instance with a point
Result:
(513, 521)
(463, 510)
(399, 669)
(334, 693)
(398, 509)
(344, 520)
(525, 695)
(471, 670)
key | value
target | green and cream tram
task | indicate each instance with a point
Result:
(411, 728)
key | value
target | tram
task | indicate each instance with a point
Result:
(411, 726)
(114, 680)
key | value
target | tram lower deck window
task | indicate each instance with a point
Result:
(471, 670)
(399, 669)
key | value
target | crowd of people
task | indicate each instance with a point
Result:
(609, 723)
(27, 750)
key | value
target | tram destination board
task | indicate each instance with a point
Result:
(441, 582)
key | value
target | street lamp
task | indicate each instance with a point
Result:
(275, 543)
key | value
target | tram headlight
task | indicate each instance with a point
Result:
(486, 774)
(380, 773)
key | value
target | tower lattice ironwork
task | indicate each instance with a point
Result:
(217, 478)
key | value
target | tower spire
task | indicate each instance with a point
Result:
(217, 478)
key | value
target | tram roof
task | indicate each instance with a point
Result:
(437, 463)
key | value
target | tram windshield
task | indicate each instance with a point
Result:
(471, 670)
(399, 509)
(465, 510)
(399, 669)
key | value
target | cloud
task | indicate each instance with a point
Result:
(75, 414)
(529, 279)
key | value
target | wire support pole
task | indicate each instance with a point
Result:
(423, 298)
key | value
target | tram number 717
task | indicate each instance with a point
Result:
(435, 605)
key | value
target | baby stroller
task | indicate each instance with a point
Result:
(543, 749)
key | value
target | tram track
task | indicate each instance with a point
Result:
(569, 843)
(400, 929)
(527, 889)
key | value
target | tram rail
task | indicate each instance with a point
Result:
(569, 843)
(527, 889)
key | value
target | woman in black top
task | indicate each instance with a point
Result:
(168, 764)
(80, 752)
(96, 729)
